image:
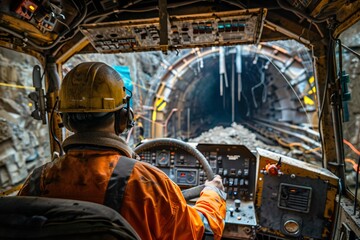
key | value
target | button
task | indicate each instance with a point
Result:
(241, 182)
(236, 182)
(235, 193)
(231, 181)
(224, 181)
(230, 192)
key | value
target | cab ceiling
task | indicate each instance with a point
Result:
(61, 28)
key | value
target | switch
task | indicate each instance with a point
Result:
(239, 172)
(241, 182)
(225, 172)
(236, 182)
(221, 171)
(246, 172)
(224, 181)
(231, 181)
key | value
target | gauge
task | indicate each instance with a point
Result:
(187, 177)
(291, 226)
(190, 178)
(163, 158)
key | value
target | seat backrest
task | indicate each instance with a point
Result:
(52, 218)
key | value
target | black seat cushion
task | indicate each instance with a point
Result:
(50, 218)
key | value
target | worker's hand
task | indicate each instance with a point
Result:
(216, 182)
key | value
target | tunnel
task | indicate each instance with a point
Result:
(204, 88)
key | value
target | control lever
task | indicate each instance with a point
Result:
(237, 205)
(38, 97)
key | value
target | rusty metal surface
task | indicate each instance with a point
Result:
(322, 181)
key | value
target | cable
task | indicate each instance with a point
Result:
(281, 4)
(51, 128)
(26, 40)
(350, 50)
(352, 147)
(292, 88)
(356, 185)
(124, 9)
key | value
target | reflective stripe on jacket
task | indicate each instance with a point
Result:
(148, 200)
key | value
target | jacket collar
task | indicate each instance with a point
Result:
(98, 139)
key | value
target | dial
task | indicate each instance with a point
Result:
(163, 157)
(190, 178)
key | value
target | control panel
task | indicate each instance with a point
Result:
(294, 199)
(181, 167)
(231, 27)
(236, 165)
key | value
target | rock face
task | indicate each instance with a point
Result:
(20, 134)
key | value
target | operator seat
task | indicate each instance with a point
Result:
(52, 218)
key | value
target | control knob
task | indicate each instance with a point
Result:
(237, 205)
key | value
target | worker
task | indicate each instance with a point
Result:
(99, 167)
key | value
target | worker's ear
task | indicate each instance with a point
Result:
(124, 119)
(66, 121)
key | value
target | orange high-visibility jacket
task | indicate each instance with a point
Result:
(144, 195)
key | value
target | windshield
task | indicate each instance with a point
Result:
(351, 103)
(258, 95)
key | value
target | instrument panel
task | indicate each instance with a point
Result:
(188, 31)
(236, 165)
(294, 199)
(267, 195)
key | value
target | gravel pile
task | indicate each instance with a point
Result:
(236, 134)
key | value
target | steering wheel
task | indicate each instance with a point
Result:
(171, 142)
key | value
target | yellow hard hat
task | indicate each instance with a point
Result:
(92, 87)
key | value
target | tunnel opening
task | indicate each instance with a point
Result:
(269, 86)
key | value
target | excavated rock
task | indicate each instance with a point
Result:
(236, 134)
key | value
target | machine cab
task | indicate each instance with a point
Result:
(258, 92)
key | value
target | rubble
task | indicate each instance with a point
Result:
(236, 134)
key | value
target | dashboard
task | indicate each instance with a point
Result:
(236, 165)
(268, 195)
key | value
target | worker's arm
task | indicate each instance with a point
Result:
(156, 208)
(209, 211)
(212, 205)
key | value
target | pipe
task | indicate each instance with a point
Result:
(286, 32)
(238, 70)
(167, 120)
